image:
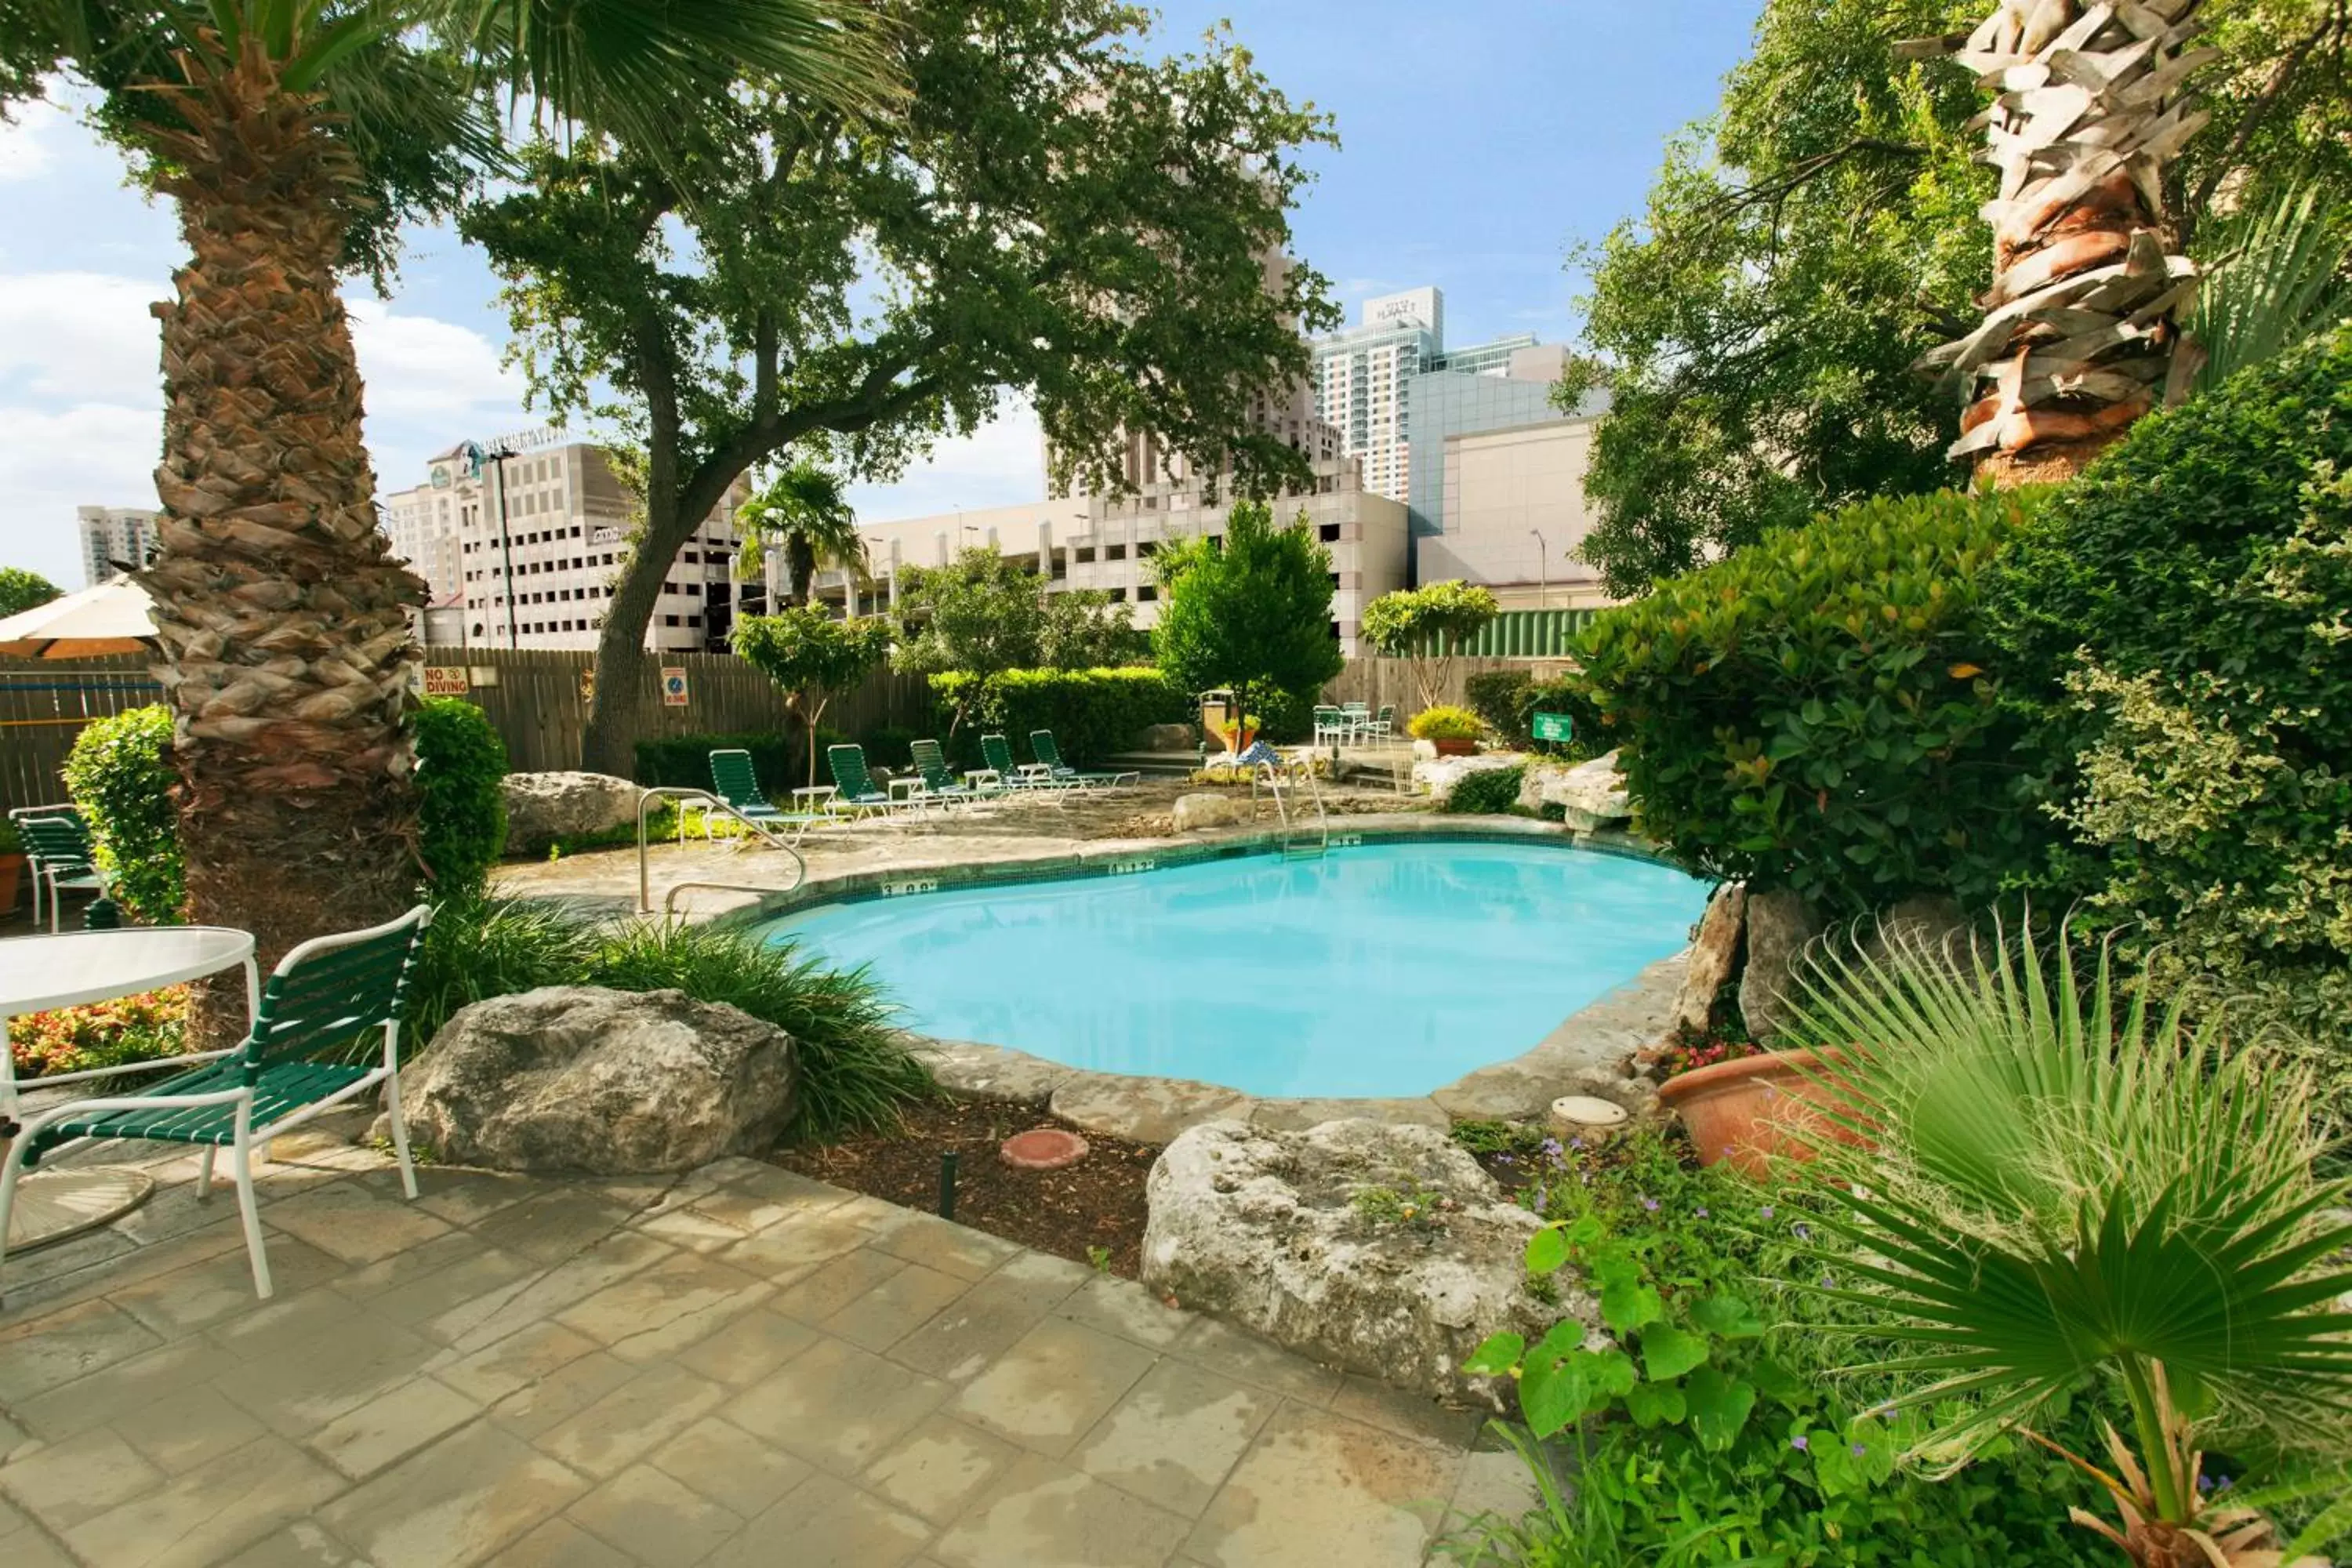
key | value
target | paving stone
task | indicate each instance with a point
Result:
(264, 1329)
(370, 1282)
(961, 1340)
(177, 1432)
(310, 1381)
(1055, 1382)
(1316, 1486)
(730, 1466)
(1124, 1308)
(692, 1230)
(455, 1504)
(1042, 1514)
(829, 1287)
(348, 1221)
(465, 1197)
(220, 1288)
(501, 1312)
(210, 1512)
(640, 1416)
(655, 1519)
(748, 1349)
(787, 1251)
(558, 1224)
(790, 1189)
(1406, 1413)
(938, 1467)
(1239, 1353)
(1494, 1483)
(126, 1388)
(560, 1543)
(660, 1310)
(523, 1358)
(896, 1308)
(34, 1549)
(940, 1244)
(12, 1437)
(825, 1523)
(836, 1405)
(12, 1520)
(42, 1352)
(1176, 1436)
(361, 1441)
(63, 1484)
(561, 1394)
(427, 1300)
(301, 1544)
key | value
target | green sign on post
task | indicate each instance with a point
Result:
(1555, 727)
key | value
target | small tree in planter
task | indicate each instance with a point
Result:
(1428, 625)
(813, 657)
(1251, 612)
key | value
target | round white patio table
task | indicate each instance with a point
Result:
(66, 970)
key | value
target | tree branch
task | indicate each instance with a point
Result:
(2272, 92)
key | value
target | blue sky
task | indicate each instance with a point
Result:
(1479, 140)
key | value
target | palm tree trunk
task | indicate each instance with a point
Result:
(284, 625)
(2080, 331)
(800, 561)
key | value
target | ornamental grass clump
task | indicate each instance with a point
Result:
(2043, 1185)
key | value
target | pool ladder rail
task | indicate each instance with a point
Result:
(710, 802)
(1276, 784)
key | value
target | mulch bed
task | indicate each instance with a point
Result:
(1096, 1203)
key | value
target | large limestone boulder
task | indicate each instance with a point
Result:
(1439, 776)
(1212, 808)
(1590, 795)
(544, 808)
(1303, 1236)
(1713, 952)
(615, 1083)
(1780, 925)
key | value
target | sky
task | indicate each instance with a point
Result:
(1479, 141)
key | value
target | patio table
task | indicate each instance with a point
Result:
(68, 970)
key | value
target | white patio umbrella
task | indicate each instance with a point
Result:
(109, 618)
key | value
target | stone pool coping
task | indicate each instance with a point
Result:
(1586, 1053)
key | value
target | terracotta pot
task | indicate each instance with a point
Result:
(11, 868)
(1749, 1111)
(1455, 746)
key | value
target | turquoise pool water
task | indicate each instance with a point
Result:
(1388, 969)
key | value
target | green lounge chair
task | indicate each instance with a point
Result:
(998, 750)
(309, 1049)
(855, 785)
(732, 780)
(939, 782)
(1049, 756)
(57, 852)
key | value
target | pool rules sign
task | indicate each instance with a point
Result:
(673, 685)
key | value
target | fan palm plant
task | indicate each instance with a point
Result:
(2044, 1184)
(281, 129)
(2281, 280)
(803, 511)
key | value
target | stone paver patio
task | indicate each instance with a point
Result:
(737, 1366)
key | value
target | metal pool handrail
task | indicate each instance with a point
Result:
(644, 872)
(1272, 777)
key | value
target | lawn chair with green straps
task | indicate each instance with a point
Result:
(1049, 756)
(856, 789)
(941, 784)
(998, 752)
(733, 781)
(308, 1050)
(59, 854)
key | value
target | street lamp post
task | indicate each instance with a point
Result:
(1543, 571)
(498, 453)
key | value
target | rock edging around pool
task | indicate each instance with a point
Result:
(1587, 1053)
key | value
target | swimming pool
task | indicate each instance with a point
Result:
(1388, 969)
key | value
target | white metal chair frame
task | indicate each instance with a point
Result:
(246, 1135)
(45, 872)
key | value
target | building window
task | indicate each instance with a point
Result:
(670, 620)
(1115, 553)
(692, 559)
(694, 623)
(1330, 532)
(1146, 593)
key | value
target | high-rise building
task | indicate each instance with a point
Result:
(113, 537)
(525, 545)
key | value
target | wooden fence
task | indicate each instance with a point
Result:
(1378, 682)
(44, 705)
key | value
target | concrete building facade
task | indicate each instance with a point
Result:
(110, 534)
(526, 547)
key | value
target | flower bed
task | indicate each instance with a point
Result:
(104, 1034)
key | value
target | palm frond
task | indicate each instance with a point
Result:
(2283, 278)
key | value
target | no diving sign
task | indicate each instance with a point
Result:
(673, 685)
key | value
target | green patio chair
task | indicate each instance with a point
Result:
(856, 786)
(309, 1049)
(998, 752)
(57, 852)
(733, 781)
(1049, 756)
(939, 782)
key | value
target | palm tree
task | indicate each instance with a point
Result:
(803, 510)
(2081, 322)
(274, 125)
(2038, 1184)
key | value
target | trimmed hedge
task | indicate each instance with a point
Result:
(1509, 699)
(461, 818)
(1488, 792)
(1823, 710)
(683, 762)
(119, 772)
(1092, 713)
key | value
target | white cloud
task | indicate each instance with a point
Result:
(80, 337)
(55, 459)
(417, 368)
(28, 139)
(1002, 463)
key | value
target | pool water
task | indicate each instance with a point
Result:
(1388, 969)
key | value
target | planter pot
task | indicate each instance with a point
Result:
(1749, 1112)
(11, 868)
(1451, 746)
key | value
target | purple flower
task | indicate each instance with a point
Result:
(1800, 1442)
(1650, 1205)
(2204, 1483)
(1857, 1450)
(1700, 1211)
(1576, 1142)
(1827, 1281)
(2223, 1484)
(1766, 1211)
(1505, 1160)
(1804, 1232)
(1550, 1148)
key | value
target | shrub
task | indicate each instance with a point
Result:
(103, 1034)
(1498, 697)
(1509, 700)
(461, 819)
(683, 762)
(1428, 625)
(1487, 792)
(2184, 611)
(1447, 723)
(1092, 713)
(119, 775)
(1823, 710)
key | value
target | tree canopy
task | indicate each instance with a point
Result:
(1054, 212)
(813, 657)
(1805, 245)
(986, 612)
(21, 590)
(1249, 612)
(1428, 625)
(803, 510)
